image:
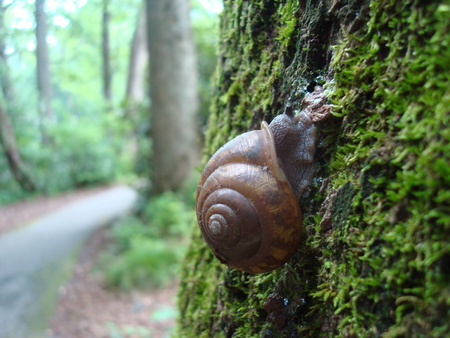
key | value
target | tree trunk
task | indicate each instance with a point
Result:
(5, 78)
(7, 137)
(173, 92)
(107, 75)
(43, 69)
(8, 141)
(138, 62)
(375, 242)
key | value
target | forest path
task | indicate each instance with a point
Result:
(36, 259)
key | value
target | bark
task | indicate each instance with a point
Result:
(138, 63)
(43, 69)
(107, 75)
(374, 254)
(173, 92)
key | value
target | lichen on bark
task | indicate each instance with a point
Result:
(375, 253)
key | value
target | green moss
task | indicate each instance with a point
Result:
(391, 92)
(381, 266)
(288, 22)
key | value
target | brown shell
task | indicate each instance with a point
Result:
(246, 209)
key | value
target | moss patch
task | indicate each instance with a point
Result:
(391, 84)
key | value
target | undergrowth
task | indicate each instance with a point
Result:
(148, 246)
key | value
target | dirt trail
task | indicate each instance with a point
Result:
(35, 259)
(23, 212)
(86, 308)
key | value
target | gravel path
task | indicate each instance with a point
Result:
(35, 259)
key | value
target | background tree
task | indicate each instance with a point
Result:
(107, 74)
(7, 137)
(9, 144)
(375, 243)
(173, 93)
(44, 79)
(138, 63)
(6, 83)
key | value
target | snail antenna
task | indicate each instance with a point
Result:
(289, 111)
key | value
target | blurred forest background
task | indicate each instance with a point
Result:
(86, 134)
(76, 112)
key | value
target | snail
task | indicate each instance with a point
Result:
(247, 196)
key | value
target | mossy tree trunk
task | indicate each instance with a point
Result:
(375, 254)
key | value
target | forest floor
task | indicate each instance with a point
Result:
(86, 308)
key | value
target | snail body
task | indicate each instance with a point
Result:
(247, 197)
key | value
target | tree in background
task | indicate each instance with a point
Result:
(374, 258)
(44, 80)
(6, 83)
(173, 93)
(7, 137)
(9, 144)
(137, 64)
(107, 74)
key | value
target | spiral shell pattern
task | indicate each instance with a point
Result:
(246, 209)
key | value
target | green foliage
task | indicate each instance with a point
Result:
(121, 331)
(115, 331)
(147, 250)
(147, 261)
(92, 141)
(10, 190)
(87, 137)
(205, 27)
(83, 152)
(141, 127)
(168, 215)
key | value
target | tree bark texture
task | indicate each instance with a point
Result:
(173, 93)
(138, 63)
(374, 258)
(43, 68)
(107, 75)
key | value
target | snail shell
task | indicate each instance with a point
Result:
(247, 196)
(246, 207)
